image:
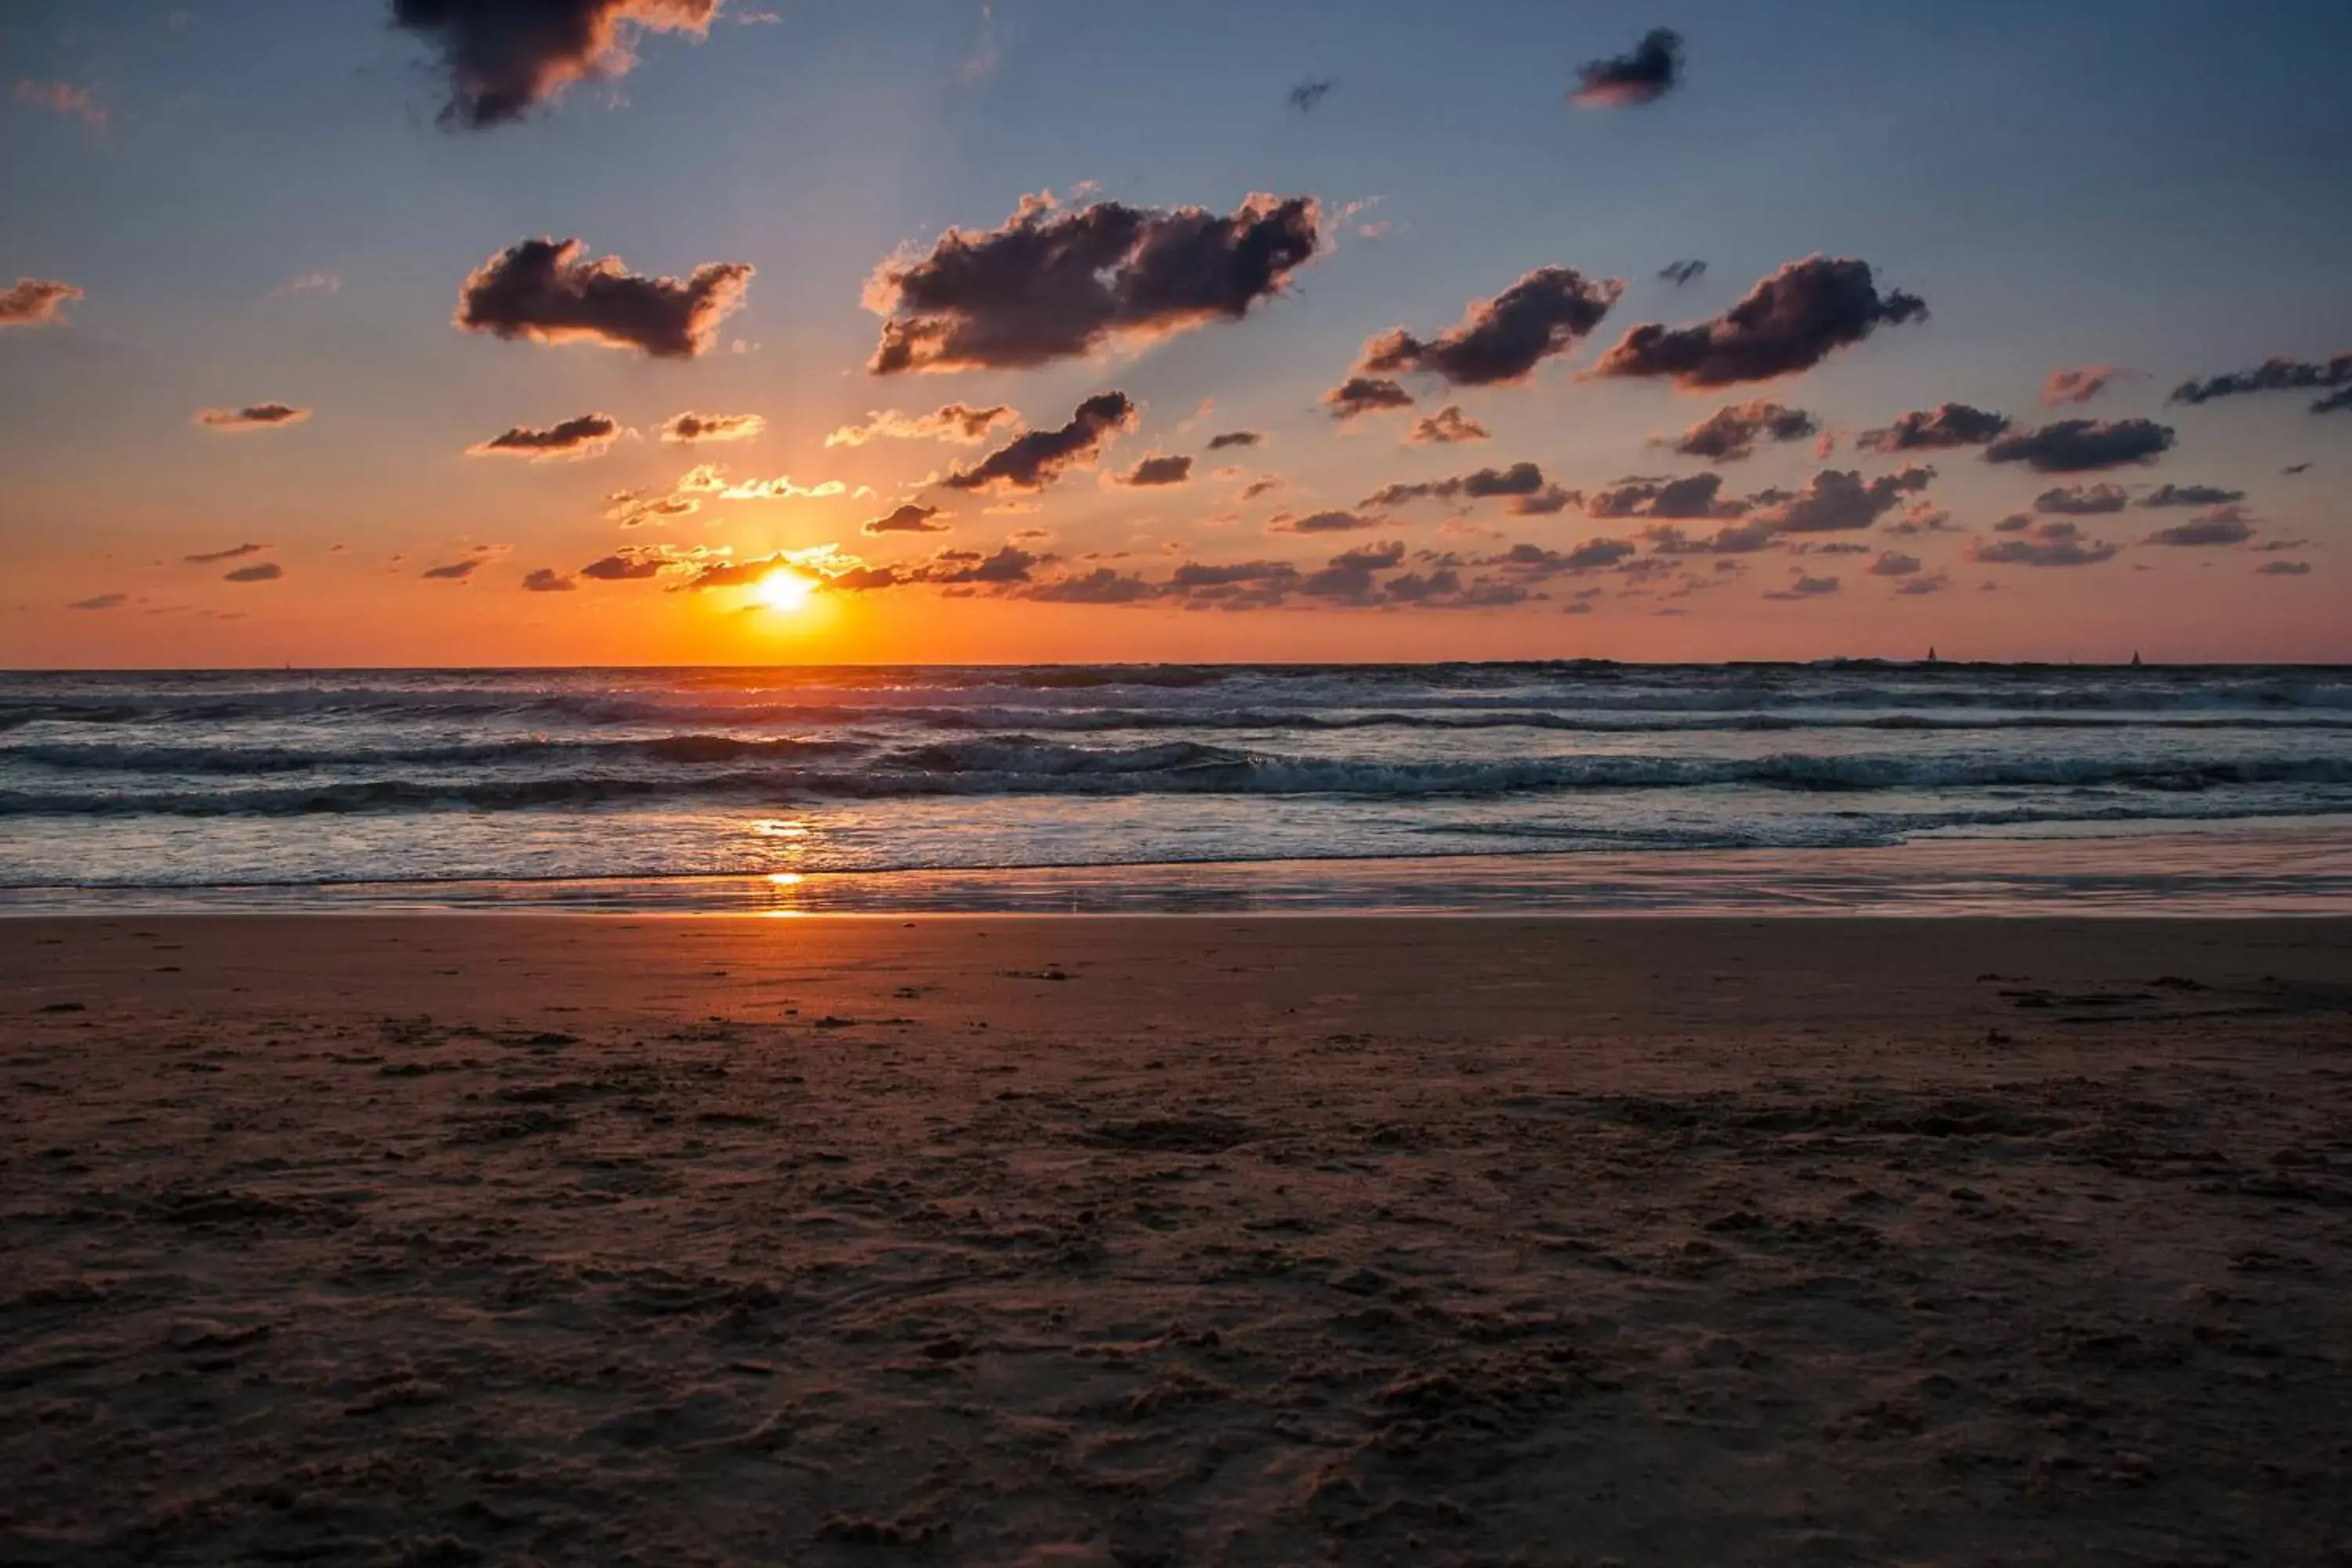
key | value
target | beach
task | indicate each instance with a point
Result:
(1005, 1240)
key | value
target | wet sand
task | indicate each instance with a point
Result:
(487, 1239)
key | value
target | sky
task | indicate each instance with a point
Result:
(638, 331)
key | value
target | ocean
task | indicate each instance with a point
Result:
(1735, 789)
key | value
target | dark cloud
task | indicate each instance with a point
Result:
(506, 57)
(1803, 587)
(1500, 341)
(623, 566)
(1446, 426)
(2043, 544)
(1052, 285)
(1323, 522)
(2335, 402)
(1646, 74)
(2083, 446)
(1234, 438)
(2222, 525)
(264, 572)
(36, 302)
(1789, 321)
(585, 435)
(2081, 501)
(1363, 394)
(1010, 564)
(1683, 273)
(1839, 500)
(687, 429)
(908, 519)
(1947, 424)
(543, 290)
(1924, 517)
(2271, 569)
(1931, 583)
(1257, 488)
(234, 553)
(547, 580)
(1895, 563)
(2276, 375)
(1307, 94)
(1520, 479)
(116, 601)
(1692, 496)
(1349, 577)
(1033, 462)
(2079, 385)
(959, 422)
(253, 416)
(1730, 433)
(455, 571)
(1533, 563)
(2190, 495)
(1158, 470)
(2296, 468)
(1103, 585)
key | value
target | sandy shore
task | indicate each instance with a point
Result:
(1162, 1242)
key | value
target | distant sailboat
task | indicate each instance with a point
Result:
(2135, 663)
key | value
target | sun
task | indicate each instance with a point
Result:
(784, 590)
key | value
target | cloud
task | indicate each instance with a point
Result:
(631, 509)
(908, 519)
(1929, 583)
(1692, 496)
(1644, 75)
(2335, 402)
(2079, 385)
(1103, 585)
(1523, 482)
(36, 302)
(547, 580)
(62, 98)
(1533, 562)
(2083, 446)
(1033, 462)
(1323, 522)
(2267, 569)
(1924, 517)
(543, 290)
(312, 283)
(958, 422)
(455, 571)
(1363, 394)
(1683, 273)
(1895, 563)
(504, 58)
(265, 571)
(1307, 94)
(1158, 470)
(1789, 321)
(1234, 438)
(2043, 544)
(1838, 501)
(1730, 433)
(2190, 495)
(2081, 501)
(1499, 342)
(1947, 424)
(586, 436)
(1259, 487)
(687, 429)
(1052, 285)
(1803, 587)
(253, 416)
(624, 566)
(234, 553)
(116, 601)
(2222, 525)
(2275, 376)
(1446, 426)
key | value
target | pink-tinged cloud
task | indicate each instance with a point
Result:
(62, 98)
(1446, 427)
(505, 57)
(1732, 433)
(1499, 342)
(36, 302)
(2041, 544)
(1365, 394)
(2078, 384)
(1644, 74)
(543, 290)
(1789, 321)
(1052, 284)
(1939, 428)
(2084, 446)
(1033, 462)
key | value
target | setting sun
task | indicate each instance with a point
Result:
(784, 590)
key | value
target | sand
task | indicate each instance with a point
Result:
(1069, 1242)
